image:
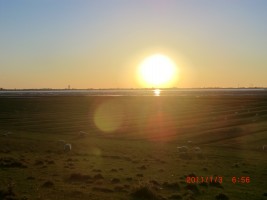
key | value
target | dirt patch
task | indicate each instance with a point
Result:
(8, 162)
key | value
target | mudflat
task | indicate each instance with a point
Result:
(133, 147)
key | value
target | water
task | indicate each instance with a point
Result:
(135, 92)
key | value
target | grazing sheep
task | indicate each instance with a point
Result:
(67, 147)
(182, 149)
(264, 147)
(7, 133)
(83, 134)
(197, 149)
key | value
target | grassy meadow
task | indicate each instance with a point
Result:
(130, 149)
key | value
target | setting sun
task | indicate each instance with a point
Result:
(157, 70)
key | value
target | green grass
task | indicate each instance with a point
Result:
(140, 156)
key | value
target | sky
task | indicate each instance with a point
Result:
(101, 43)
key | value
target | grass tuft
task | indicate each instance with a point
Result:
(216, 184)
(171, 186)
(221, 196)
(129, 179)
(48, 184)
(236, 165)
(98, 176)
(8, 162)
(203, 184)
(145, 191)
(119, 189)
(39, 162)
(175, 197)
(193, 188)
(143, 167)
(78, 177)
(115, 180)
(102, 189)
(30, 178)
(8, 193)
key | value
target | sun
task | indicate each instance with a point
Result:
(157, 70)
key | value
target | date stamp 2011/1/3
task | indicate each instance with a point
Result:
(204, 179)
(216, 179)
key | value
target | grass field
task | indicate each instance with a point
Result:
(130, 151)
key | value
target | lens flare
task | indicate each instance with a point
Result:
(96, 151)
(108, 116)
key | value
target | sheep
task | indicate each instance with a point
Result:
(183, 149)
(7, 133)
(67, 147)
(264, 147)
(197, 149)
(179, 149)
(83, 134)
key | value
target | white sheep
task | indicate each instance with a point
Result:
(83, 134)
(197, 149)
(183, 149)
(7, 133)
(67, 147)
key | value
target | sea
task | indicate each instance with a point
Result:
(136, 92)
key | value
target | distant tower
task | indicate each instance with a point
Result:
(69, 87)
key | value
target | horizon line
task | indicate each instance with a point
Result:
(153, 88)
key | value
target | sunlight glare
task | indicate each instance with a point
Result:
(157, 92)
(157, 70)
